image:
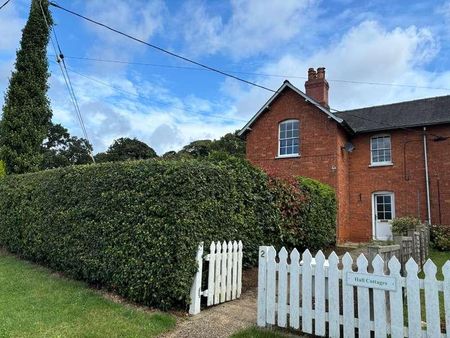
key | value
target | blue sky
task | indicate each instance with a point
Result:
(398, 42)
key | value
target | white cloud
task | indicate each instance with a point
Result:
(255, 26)
(366, 53)
(146, 110)
(141, 19)
(11, 24)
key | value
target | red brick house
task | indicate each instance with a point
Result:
(383, 161)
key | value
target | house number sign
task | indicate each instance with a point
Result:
(372, 281)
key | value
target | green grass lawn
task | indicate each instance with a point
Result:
(259, 333)
(439, 258)
(36, 303)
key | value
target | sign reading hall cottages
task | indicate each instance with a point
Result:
(371, 281)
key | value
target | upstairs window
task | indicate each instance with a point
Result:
(288, 140)
(380, 148)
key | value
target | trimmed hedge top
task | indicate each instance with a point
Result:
(134, 227)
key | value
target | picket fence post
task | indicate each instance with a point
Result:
(333, 298)
(217, 273)
(271, 284)
(262, 286)
(239, 270)
(432, 300)
(347, 298)
(363, 300)
(234, 278)
(282, 288)
(223, 276)
(319, 294)
(413, 299)
(396, 300)
(446, 273)
(294, 294)
(196, 288)
(379, 300)
(211, 272)
(306, 295)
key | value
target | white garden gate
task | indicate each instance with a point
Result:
(320, 297)
(224, 275)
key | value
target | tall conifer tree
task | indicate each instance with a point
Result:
(26, 111)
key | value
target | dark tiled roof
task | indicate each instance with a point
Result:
(435, 110)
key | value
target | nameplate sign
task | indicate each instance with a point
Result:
(372, 281)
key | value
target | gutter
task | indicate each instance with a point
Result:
(427, 178)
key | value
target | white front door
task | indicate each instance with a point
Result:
(383, 211)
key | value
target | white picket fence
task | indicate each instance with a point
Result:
(310, 293)
(224, 275)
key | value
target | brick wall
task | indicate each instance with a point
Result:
(322, 158)
(405, 178)
(439, 170)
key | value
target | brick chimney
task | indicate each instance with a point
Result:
(317, 86)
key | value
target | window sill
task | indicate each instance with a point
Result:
(382, 164)
(287, 156)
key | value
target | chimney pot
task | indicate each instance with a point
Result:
(311, 74)
(321, 73)
(317, 86)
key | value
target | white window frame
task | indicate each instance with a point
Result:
(279, 139)
(380, 163)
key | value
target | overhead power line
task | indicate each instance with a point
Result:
(68, 82)
(230, 118)
(289, 76)
(163, 50)
(226, 73)
(104, 83)
(235, 119)
(7, 1)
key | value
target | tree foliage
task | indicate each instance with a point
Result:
(26, 111)
(199, 148)
(124, 149)
(60, 149)
(229, 144)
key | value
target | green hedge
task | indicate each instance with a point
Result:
(440, 236)
(2, 169)
(134, 227)
(308, 213)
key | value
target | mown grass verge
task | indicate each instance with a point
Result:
(34, 302)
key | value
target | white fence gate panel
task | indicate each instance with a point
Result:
(224, 274)
(363, 300)
(307, 295)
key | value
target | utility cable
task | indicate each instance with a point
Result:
(253, 73)
(104, 83)
(7, 1)
(202, 65)
(227, 74)
(59, 60)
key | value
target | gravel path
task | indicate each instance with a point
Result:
(219, 321)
